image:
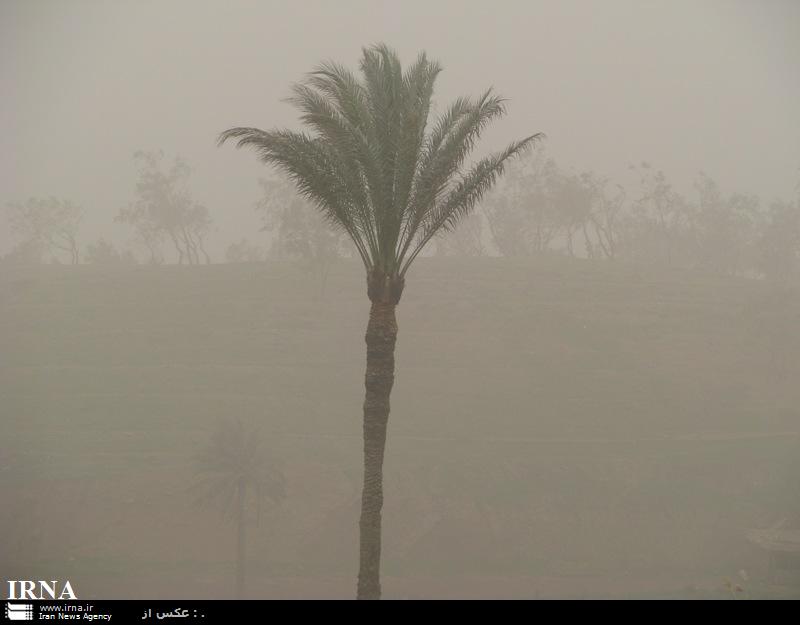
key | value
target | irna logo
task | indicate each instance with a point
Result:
(25, 589)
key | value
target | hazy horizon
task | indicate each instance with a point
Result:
(686, 86)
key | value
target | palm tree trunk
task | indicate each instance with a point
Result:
(240, 539)
(380, 337)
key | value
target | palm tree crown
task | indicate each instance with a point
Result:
(372, 163)
(233, 463)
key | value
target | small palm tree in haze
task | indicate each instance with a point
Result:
(391, 179)
(233, 474)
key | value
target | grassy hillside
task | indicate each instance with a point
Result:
(558, 428)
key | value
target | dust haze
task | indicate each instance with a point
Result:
(594, 383)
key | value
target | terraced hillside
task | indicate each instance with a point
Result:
(558, 428)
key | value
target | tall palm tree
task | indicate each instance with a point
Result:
(232, 469)
(376, 169)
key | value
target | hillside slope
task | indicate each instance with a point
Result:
(551, 421)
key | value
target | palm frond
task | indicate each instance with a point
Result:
(464, 195)
(444, 158)
(418, 85)
(351, 148)
(312, 165)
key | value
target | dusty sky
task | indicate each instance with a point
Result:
(687, 85)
